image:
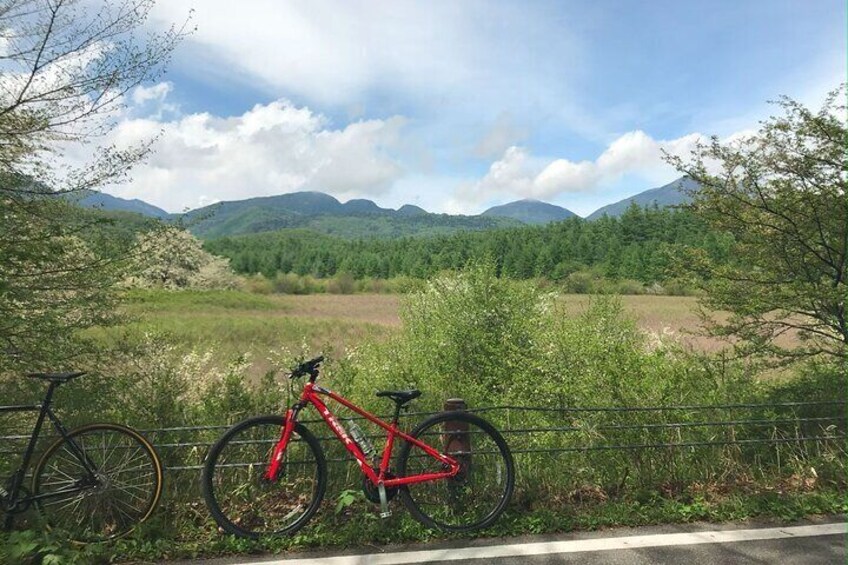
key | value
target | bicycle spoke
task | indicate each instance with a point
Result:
(118, 494)
(250, 504)
(476, 494)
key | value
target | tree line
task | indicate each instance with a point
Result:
(640, 245)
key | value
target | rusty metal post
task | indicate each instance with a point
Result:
(457, 440)
(452, 404)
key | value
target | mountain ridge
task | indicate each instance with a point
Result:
(360, 217)
(671, 194)
(530, 211)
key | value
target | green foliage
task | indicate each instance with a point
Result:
(490, 341)
(346, 498)
(342, 283)
(160, 300)
(781, 195)
(636, 246)
(27, 547)
(53, 281)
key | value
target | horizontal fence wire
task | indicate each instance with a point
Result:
(185, 447)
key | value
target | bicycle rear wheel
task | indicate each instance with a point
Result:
(477, 496)
(122, 493)
(242, 501)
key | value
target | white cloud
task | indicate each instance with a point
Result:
(517, 174)
(156, 92)
(271, 149)
(331, 51)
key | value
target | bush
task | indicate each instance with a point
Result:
(169, 257)
(292, 283)
(468, 334)
(343, 283)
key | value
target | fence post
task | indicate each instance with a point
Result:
(452, 404)
(456, 437)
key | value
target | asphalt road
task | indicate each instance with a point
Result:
(820, 541)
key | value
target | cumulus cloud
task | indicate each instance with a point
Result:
(271, 149)
(518, 174)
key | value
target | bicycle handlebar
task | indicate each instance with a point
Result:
(307, 368)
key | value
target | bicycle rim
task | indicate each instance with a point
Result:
(246, 504)
(123, 492)
(479, 493)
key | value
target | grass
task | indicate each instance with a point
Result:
(357, 525)
(236, 322)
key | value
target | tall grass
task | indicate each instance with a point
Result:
(472, 335)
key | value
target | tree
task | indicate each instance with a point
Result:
(173, 258)
(66, 67)
(780, 194)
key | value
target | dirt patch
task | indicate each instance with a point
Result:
(368, 308)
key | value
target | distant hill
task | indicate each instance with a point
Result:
(362, 206)
(530, 212)
(671, 194)
(323, 213)
(362, 218)
(411, 210)
(109, 203)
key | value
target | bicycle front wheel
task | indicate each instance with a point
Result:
(242, 501)
(474, 498)
(99, 482)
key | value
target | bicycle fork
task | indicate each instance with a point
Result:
(272, 473)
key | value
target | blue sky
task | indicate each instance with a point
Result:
(456, 106)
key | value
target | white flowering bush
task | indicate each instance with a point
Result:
(172, 258)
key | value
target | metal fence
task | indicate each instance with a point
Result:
(685, 433)
(536, 429)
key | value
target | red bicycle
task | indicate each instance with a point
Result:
(267, 475)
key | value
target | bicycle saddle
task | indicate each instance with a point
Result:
(57, 377)
(400, 396)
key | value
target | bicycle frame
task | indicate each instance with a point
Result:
(17, 478)
(311, 395)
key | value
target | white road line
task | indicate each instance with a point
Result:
(573, 546)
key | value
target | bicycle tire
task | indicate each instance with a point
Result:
(127, 489)
(450, 503)
(238, 507)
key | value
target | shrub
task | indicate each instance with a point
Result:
(469, 334)
(291, 283)
(343, 283)
(169, 257)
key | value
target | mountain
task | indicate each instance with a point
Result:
(322, 213)
(362, 206)
(671, 194)
(530, 212)
(411, 210)
(107, 202)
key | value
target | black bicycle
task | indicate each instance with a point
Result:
(98, 481)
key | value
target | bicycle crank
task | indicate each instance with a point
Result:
(372, 492)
